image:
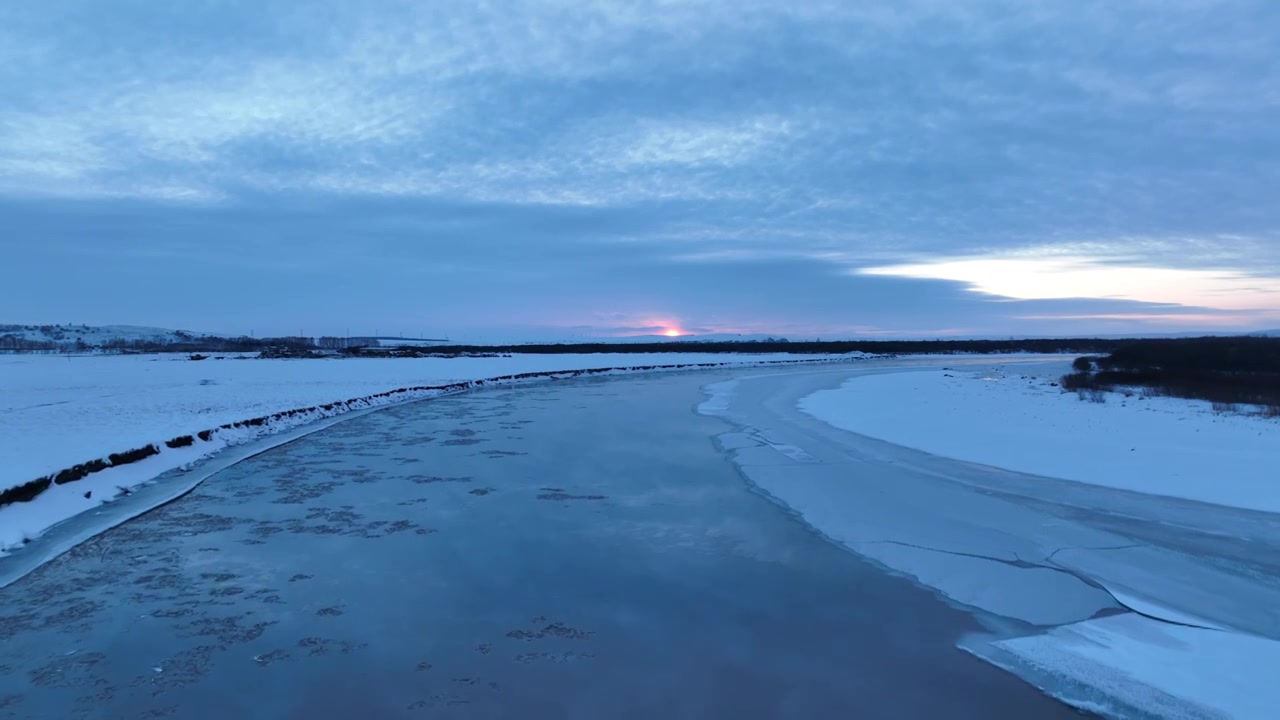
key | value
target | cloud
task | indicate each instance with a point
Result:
(689, 143)
(1126, 152)
(394, 92)
(1238, 294)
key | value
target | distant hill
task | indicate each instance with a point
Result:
(88, 337)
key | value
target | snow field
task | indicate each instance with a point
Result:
(1161, 446)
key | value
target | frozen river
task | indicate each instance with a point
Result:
(579, 550)
(601, 549)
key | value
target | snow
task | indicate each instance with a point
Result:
(27, 520)
(1162, 446)
(58, 411)
(1161, 660)
(1145, 605)
(1169, 671)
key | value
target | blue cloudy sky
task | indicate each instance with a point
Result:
(558, 169)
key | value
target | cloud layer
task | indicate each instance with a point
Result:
(719, 165)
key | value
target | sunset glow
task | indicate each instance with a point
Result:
(672, 333)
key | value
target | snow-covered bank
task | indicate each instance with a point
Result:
(1126, 604)
(1020, 422)
(56, 412)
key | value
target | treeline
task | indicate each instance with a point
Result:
(1222, 354)
(369, 347)
(878, 347)
(207, 344)
(1225, 371)
(1211, 354)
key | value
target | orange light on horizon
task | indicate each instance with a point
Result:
(673, 333)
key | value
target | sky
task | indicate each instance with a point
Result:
(555, 170)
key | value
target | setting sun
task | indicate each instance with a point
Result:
(672, 333)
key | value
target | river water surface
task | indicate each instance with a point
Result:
(575, 550)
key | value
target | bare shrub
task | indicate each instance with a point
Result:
(24, 492)
(1077, 381)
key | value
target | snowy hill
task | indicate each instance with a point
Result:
(88, 337)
